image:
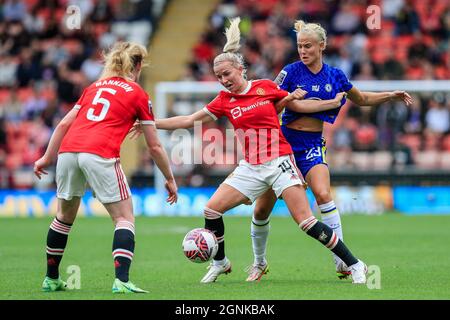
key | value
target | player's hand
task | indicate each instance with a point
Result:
(339, 97)
(403, 96)
(298, 94)
(40, 165)
(172, 189)
(135, 131)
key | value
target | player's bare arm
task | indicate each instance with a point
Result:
(183, 122)
(54, 143)
(178, 122)
(311, 106)
(367, 98)
(298, 94)
(161, 159)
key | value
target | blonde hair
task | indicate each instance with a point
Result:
(311, 28)
(232, 46)
(122, 60)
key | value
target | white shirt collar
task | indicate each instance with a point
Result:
(247, 89)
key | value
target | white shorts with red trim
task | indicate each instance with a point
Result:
(253, 180)
(105, 176)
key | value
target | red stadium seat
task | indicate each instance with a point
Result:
(13, 161)
(446, 143)
(413, 141)
(442, 73)
(30, 4)
(4, 95)
(24, 94)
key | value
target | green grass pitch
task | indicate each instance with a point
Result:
(412, 253)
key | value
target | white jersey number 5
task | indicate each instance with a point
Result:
(105, 102)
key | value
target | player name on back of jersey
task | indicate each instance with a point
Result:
(117, 83)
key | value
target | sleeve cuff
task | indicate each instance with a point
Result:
(148, 122)
(212, 115)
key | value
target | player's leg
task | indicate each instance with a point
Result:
(70, 183)
(121, 213)
(290, 185)
(318, 178)
(297, 202)
(259, 231)
(225, 198)
(57, 236)
(107, 179)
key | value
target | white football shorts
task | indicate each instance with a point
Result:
(253, 180)
(105, 176)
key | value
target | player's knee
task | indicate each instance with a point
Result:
(211, 214)
(261, 213)
(323, 196)
(66, 218)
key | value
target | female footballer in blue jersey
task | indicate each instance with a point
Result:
(304, 133)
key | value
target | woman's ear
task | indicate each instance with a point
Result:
(322, 45)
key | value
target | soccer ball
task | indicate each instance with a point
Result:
(200, 245)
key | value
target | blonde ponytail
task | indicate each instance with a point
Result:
(311, 28)
(122, 60)
(232, 46)
(233, 35)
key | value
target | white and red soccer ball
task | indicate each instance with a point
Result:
(200, 245)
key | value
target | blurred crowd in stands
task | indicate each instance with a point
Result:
(411, 43)
(45, 63)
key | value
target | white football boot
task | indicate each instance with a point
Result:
(359, 271)
(256, 271)
(214, 271)
(342, 271)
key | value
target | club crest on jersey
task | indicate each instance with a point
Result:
(328, 87)
(260, 91)
(236, 112)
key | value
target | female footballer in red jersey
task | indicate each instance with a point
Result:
(252, 108)
(87, 141)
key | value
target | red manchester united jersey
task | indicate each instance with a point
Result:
(254, 119)
(107, 110)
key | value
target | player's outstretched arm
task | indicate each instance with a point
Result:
(183, 122)
(367, 98)
(54, 144)
(311, 106)
(161, 159)
(179, 122)
(298, 94)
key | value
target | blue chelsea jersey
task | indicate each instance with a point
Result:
(321, 86)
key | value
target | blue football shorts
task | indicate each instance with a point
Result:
(309, 148)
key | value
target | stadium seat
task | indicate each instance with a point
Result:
(23, 178)
(4, 95)
(382, 160)
(427, 159)
(340, 159)
(445, 160)
(361, 160)
(446, 143)
(24, 94)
